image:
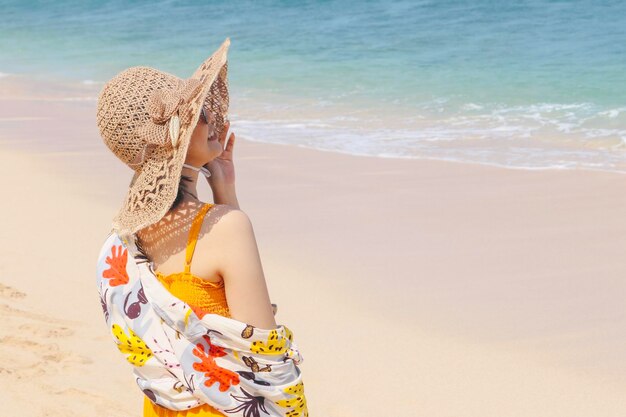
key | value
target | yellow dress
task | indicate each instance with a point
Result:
(203, 297)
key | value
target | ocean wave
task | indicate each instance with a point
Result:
(527, 141)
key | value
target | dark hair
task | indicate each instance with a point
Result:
(182, 190)
(143, 255)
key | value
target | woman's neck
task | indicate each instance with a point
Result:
(192, 185)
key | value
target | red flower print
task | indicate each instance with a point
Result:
(212, 371)
(117, 272)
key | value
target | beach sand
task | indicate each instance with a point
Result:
(413, 287)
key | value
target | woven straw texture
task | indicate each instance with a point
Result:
(146, 118)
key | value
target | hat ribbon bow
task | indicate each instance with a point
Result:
(164, 106)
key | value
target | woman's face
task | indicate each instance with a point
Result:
(204, 145)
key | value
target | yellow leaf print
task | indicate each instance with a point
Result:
(288, 334)
(275, 344)
(138, 352)
(298, 404)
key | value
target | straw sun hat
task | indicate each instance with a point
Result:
(146, 118)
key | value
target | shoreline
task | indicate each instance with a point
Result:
(450, 288)
(360, 131)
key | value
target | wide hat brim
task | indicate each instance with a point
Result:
(153, 188)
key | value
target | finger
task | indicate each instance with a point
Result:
(231, 141)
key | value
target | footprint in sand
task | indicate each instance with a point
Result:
(9, 311)
(46, 330)
(9, 292)
(27, 340)
(39, 353)
(26, 358)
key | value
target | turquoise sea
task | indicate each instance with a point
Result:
(524, 84)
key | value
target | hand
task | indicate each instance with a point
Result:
(222, 168)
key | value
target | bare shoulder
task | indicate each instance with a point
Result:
(235, 235)
(226, 232)
(237, 259)
(233, 221)
(226, 221)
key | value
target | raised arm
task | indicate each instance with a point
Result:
(240, 266)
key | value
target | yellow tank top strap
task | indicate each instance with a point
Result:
(193, 235)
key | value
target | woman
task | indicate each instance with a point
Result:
(226, 246)
(169, 130)
(225, 253)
